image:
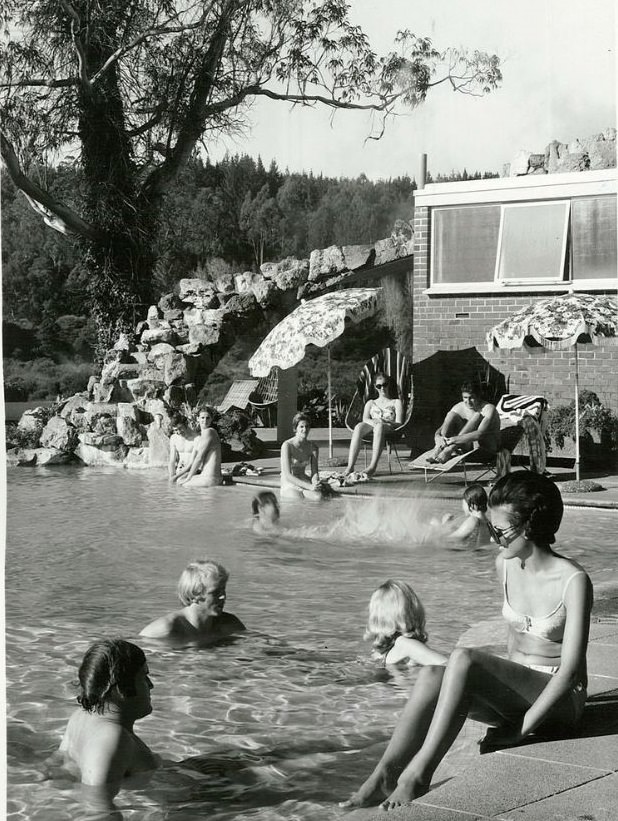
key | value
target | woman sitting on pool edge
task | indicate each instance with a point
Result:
(396, 625)
(380, 416)
(298, 456)
(201, 590)
(114, 693)
(541, 685)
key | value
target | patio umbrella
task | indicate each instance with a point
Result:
(559, 323)
(318, 322)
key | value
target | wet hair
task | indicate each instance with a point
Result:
(475, 497)
(390, 391)
(394, 610)
(468, 387)
(300, 417)
(266, 497)
(196, 577)
(535, 502)
(106, 664)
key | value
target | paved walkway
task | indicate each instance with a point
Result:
(571, 779)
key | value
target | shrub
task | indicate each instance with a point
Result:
(592, 416)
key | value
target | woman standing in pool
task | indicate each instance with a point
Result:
(542, 683)
(299, 464)
(114, 693)
(380, 416)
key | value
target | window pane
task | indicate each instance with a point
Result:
(593, 228)
(465, 242)
(533, 241)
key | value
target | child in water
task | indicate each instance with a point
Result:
(396, 624)
(474, 504)
(265, 509)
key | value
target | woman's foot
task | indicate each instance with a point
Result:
(378, 785)
(404, 793)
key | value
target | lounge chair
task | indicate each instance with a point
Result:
(391, 363)
(238, 395)
(522, 419)
(265, 396)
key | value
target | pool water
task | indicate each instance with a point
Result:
(282, 722)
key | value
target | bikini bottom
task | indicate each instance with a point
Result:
(577, 695)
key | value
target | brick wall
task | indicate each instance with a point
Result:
(456, 326)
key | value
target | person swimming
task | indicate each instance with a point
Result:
(202, 592)
(396, 626)
(265, 509)
(474, 529)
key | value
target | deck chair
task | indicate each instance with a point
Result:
(238, 395)
(391, 363)
(265, 396)
(522, 418)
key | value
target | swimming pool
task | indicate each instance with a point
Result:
(285, 720)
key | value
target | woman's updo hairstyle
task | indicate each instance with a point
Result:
(108, 663)
(300, 417)
(535, 501)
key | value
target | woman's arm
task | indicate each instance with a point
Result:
(414, 650)
(465, 529)
(367, 410)
(578, 603)
(315, 476)
(398, 412)
(173, 460)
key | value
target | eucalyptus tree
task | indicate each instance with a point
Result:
(129, 89)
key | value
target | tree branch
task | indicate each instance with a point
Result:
(56, 215)
(42, 81)
(76, 25)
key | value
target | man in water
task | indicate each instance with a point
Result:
(181, 446)
(204, 469)
(471, 423)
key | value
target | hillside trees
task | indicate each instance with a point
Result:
(131, 87)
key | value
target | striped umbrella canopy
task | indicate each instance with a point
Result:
(559, 323)
(318, 322)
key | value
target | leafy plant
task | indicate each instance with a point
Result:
(592, 416)
(237, 425)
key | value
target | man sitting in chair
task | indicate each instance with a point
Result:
(471, 423)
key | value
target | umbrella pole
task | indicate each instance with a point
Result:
(330, 411)
(576, 416)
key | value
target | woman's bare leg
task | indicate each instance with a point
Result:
(489, 688)
(360, 430)
(406, 740)
(379, 440)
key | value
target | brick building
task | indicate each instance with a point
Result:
(486, 248)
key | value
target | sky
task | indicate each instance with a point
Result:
(559, 70)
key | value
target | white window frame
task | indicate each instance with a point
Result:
(560, 276)
(462, 284)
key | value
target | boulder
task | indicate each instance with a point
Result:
(143, 388)
(243, 282)
(355, 256)
(158, 444)
(128, 410)
(137, 458)
(104, 426)
(391, 248)
(169, 302)
(289, 273)
(21, 457)
(77, 402)
(129, 431)
(602, 154)
(265, 292)
(103, 392)
(202, 336)
(536, 164)
(175, 369)
(268, 269)
(160, 334)
(224, 283)
(96, 455)
(33, 420)
(326, 261)
(172, 315)
(108, 441)
(190, 349)
(52, 456)
(79, 420)
(90, 387)
(520, 162)
(140, 328)
(196, 316)
(153, 317)
(159, 351)
(95, 409)
(553, 154)
(579, 161)
(59, 435)
(123, 343)
(181, 329)
(198, 292)
(241, 304)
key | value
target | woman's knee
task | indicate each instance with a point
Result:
(462, 659)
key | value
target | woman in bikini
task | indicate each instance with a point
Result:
(380, 416)
(114, 693)
(299, 464)
(542, 683)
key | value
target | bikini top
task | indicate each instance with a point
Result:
(549, 627)
(387, 414)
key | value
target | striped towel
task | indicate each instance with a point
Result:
(512, 408)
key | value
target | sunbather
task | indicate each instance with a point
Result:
(471, 423)
(380, 416)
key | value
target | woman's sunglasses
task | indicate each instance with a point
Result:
(509, 534)
(380, 385)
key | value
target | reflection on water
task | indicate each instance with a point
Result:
(280, 723)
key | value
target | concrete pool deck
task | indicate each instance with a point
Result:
(567, 779)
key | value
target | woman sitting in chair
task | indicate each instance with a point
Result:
(380, 417)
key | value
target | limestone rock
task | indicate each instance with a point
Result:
(325, 261)
(265, 292)
(21, 457)
(96, 455)
(102, 392)
(158, 445)
(152, 317)
(129, 431)
(181, 329)
(96, 409)
(173, 315)
(175, 368)
(52, 456)
(190, 349)
(195, 316)
(289, 273)
(104, 426)
(574, 162)
(268, 269)
(198, 292)
(241, 304)
(355, 256)
(169, 302)
(123, 343)
(159, 351)
(58, 435)
(536, 163)
(243, 282)
(128, 410)
(33, 420)
(108, 441)
(224, 283)
(391, 248)
(602, 154)
(553, 154)
(90, 387)
(137, 458)
(157, 407)
(140, 328)
(202, 336)
(146, 388)
(77, 402)
(160, 334)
